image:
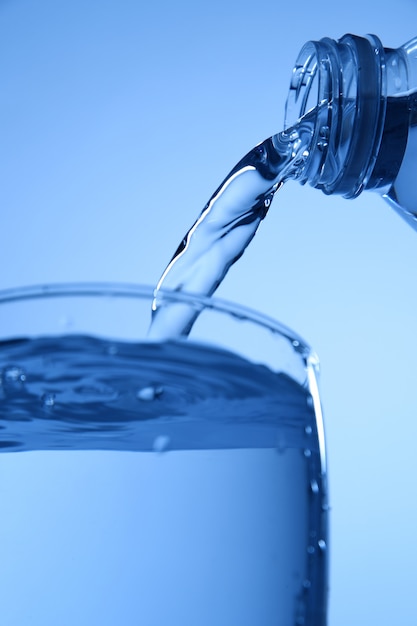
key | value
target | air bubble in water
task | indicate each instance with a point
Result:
(307, 453)
(314, 486)
(308, 430)
(161, 443)
(48, 400)
(12, 375)
(322, 545)
(147, 394)
(323, 142)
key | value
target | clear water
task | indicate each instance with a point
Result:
(155, 491)
(80, 392)
(229, 222)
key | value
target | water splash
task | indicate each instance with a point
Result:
(228, 224)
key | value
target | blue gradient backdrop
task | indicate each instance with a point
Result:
(118, 121)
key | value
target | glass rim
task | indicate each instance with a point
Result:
(141, 290)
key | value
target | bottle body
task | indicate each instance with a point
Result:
(365, 138)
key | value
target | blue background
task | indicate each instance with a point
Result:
(119, 120)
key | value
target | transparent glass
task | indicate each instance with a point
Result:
(157, 482)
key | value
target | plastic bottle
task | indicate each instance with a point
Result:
(366, 130)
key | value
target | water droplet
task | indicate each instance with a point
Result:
(311, 549)
(308, 430)
(314, 486)
(161, 443)
(147, 394)
(310, 401)
(322, 545)
(12, 375)
(295, 343)
(324, 132)
(307, 453)
(48, 400)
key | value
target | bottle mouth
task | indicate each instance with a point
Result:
(345, 82)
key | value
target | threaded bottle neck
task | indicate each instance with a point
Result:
(347, 81)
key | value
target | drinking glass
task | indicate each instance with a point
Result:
(175, 482)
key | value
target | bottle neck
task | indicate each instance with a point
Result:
(361, 131)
